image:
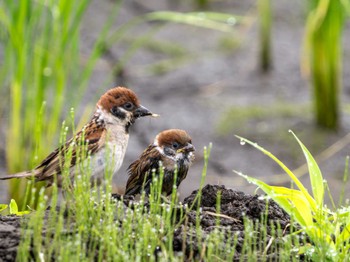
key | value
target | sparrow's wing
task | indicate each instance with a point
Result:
(140, 171)
(91, 136)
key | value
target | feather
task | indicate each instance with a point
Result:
(173, 148)
(105, 128)
(141, 170)
(18, 175)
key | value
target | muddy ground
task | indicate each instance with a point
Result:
(235, 207)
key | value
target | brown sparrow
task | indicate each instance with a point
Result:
(105, 136)
(171, 150)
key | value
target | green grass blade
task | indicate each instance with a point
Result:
(265, 21)
(315, 174)
(286, 169)
(13, 207)
(3, 207)
(211, 20)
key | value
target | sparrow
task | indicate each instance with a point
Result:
(105, 136)
(172, 150)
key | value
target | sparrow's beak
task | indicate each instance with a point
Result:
(187, 149)
(142, 111)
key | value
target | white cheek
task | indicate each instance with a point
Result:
(112, 120)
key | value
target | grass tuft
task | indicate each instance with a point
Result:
(328, 230)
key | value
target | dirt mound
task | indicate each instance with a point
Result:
(235, 208)
(9, 237)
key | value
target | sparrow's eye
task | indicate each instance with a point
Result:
(128, 106)
(175, 145)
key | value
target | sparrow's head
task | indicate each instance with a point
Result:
(121, 105)
(175, 144)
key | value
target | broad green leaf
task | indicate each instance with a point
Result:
(297, 213)
(22, 213)
(292, 201)
(297, 201)
(286, 169)
(315, 174)
(297, 206)
(3, 207)
(13, 207)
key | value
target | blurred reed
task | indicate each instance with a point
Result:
(322, 58)
(264, 10)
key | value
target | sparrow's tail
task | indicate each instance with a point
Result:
(18, 175)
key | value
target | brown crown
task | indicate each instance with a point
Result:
(117, 96)
(167, 137)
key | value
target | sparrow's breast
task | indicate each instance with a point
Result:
(111, 155)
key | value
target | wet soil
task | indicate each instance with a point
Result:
(235, 207)
(10, 237)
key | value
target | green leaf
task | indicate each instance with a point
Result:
(292, 201)
(13, 207)
(315, 174)
(297, 206)
(22, 213)
(3, 207)
(286, 169)
(298, 203)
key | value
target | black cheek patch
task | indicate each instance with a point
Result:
(168, 151)
(118, 113)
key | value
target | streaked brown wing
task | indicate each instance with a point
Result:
(141, 170)
(94, 136)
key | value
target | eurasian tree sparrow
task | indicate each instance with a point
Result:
(174, 149)
(105, 136)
